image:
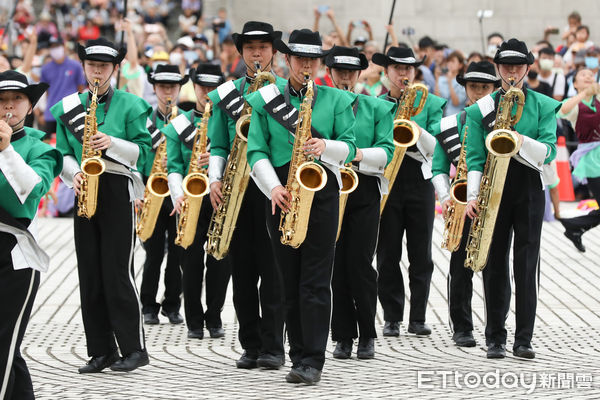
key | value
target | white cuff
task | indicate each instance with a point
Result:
(533, 153)
(473, 181)
(335, 152)
(123, 151)
(175, 186)
(216, 168)
(426, 144)
(70, 168)
(20, 176)
(374, 160)
(265, 177)
(441, 183)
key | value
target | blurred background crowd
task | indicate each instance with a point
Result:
(42, 45)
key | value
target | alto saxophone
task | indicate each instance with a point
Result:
(92, 165)
(195, 186)
(406, 132)
(455, 218)
(305, 177)
(502, 143)
(235, 179)
(157, 187)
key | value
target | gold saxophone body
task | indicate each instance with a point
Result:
(235, 180)
(349, 185)
(406, 132)
(455, 218)
(195, 186)
(502, 143)
(305, 177)
(157, 187)
(92, 165)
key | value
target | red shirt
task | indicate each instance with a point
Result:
(90, 33)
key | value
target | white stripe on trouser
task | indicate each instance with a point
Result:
(448, 279)
(13, 342)
(132, 279)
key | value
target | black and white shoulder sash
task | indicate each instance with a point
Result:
(155, 134)
(185, 130)
(74, 115)
(449, 138)
(487, 107)
(232, 101)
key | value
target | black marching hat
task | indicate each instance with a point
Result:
(255, 30)
(482, 71)
(346, 58)
(513, 52)
(397, 55)
(207, 75)
(302, 43)
(167, 73)
(16, 81)
(101, 50)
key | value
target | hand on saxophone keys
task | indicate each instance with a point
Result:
(471, 210)
(101, 141)
(216, 196)
(314, 146)
(445, 206)
(77, 181)
(281, 198)
(203, 160)
(178, 205)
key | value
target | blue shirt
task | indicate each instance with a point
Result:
(63, 80)
(451, 109)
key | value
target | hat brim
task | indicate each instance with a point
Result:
(194, 79)
(240, 38)
(181, 82)
(33, 91)
(283, 48)
(463, 82)
(515, 60)
(101, 57)
(384, 61)
(364, 63)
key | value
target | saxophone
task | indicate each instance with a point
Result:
(195, 186)
(305, 177)
(349, 184)
(235, 179)
(157, 187)
(92, 165)
(455, 219)
(406, 132)
(502, 143)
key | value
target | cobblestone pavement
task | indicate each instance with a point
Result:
(567, 341)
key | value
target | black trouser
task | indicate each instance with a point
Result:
(217, 278)
(410, 207)
(17, 294)
(354, 281)
(259, 311)
(306, 273)
(104, 246)
(165, 230)
(522, 212)
(592, 219)
(460, 286)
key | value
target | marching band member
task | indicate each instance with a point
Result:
(479, 81)
(166, 80)
(354, 282)
(522, 206)
(259, 310)
(27, 168)
(306, 270)
(410, 207)
(104, 243)
(180, 142)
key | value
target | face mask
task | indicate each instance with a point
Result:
(57, 53)
(591, 62)
(190, 56)
(532, 75)
(546, 65)
(176, 58)
(209, 55)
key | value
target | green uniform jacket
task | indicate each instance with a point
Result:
(44, 160)
(374, 125)
(126, 120)
(221, 128)
(160, 125)
(332, 117)
(441, 163)
(537, 122)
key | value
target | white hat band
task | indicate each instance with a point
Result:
(167, 76)
(209, 78)
(305, 48)
(511, 53)
(101, 50)
(255, 33)
(407, 60)
(480, 75)
(346, 60)
(10, 84)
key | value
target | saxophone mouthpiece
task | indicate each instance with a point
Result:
(306, 78)
(96, 82)
(8, 116)
(256, 67)
(346, 87)
(405, 81)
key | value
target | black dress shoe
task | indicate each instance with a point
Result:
(151, 318)
(247, 360)
(97, 364)
(524, 352)
(132, 361)
(216, 332)
(305, 374)
(464, 339)
(575, 237)
(419, 328)
(366, 348)
(196, 333)
(496, 351)
(174, 317)
(293, 377)
(270, 361)
(343, 349)
(391, 328)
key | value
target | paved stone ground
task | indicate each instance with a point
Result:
(567, 340)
